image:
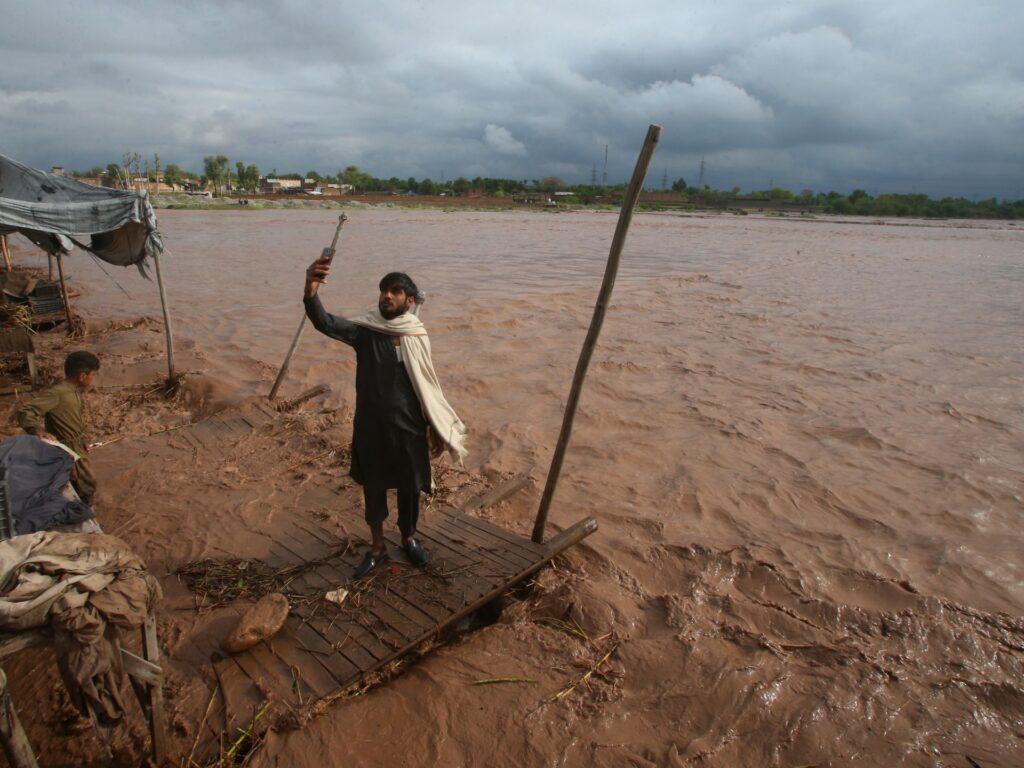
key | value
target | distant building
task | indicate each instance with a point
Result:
(271, 185)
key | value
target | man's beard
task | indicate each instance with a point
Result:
(390, 313)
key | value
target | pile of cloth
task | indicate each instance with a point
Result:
(85, 587)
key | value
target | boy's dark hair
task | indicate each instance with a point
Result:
(80, 362)
(399, 280)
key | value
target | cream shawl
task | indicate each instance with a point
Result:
(416, 355)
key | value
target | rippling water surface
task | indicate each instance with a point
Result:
(800, 435)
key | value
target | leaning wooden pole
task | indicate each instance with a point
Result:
(327, 253)
(167, 319)
(64, 292)
(287, 359)
(600, 308)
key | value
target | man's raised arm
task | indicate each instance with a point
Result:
(330, 325)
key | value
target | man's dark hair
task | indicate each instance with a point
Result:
(399, 280)
(80, 362)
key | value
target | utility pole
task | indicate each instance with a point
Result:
(700, 176)
(664, 179)
(593, 176)
(604, 176)
(156, 156)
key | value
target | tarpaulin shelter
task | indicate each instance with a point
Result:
(57, 213)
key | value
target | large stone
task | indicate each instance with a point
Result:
(259, 623)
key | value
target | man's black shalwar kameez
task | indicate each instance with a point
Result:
(389, 436)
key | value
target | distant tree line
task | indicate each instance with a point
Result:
(218, 177)
(860, 203)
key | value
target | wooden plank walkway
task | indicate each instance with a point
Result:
(218, 431)
(324, 650)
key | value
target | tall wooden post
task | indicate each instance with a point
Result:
(600, 308)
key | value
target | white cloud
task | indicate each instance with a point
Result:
(502, 141)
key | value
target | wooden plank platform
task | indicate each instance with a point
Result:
(324, 650)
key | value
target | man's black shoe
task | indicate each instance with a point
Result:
(415, 552)
(370, 563)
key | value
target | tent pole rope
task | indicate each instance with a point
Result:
(99, 264)
(167, 318)
(600, 307)
(64, 292)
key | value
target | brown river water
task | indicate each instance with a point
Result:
(803, 441)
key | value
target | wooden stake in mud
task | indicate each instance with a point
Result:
(600, 308)
(64, 292)
(167, 319)
(327, 253)
(7, 253)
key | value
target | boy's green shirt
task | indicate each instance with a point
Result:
(58, 410)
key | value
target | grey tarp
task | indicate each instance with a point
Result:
(56, 211)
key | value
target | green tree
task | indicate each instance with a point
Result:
(252, 177)
(248, 176)
(215, 170)
(351, 175)
(114, 173)
(679, 185)
(173, 175)
(806, 197)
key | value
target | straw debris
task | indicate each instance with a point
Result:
(217, 583)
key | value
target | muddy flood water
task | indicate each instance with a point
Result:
(803, 441)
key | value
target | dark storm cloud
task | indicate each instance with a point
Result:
(881, 95)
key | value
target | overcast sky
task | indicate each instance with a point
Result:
(885, 95)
